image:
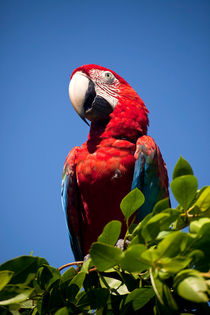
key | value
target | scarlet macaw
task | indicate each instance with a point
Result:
(117, 157)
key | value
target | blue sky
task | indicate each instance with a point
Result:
(160, 47)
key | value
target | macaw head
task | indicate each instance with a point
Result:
(99, 94)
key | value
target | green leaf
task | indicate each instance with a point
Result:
(22, 267)
(157, 286)
(181, 168)
(131, 260)
(168, 299)
(158, 223)
(132, 280)
(140, 297)
(173, 265)
(191, 286)
(68, 275)
(78, 280)
(115, 285)
(162, 235)
(55, 300)
(110, 233)
(47, 275)
(184, 189)
(139, 227)
(132, 202)
(96, 298)
(163, 293)
(150, 256)
(29, 303)
(196, 225)
(173, 244)
(202, 242)
(87, 264)
(5, 277)
(62, 311)
(14, 294)
(75, 286)
(110, 283)
(104, 256)
(161, 205)
(134, 241)
(203, 202)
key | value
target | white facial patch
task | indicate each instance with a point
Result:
(106, 87)
(78, 87)
(111, 99)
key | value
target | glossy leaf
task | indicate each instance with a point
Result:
(78, 279)
(75, 286)
(68, 275)
(157, 286)
(168, 299)
(104, 256)
(184, 189)
(110, 233)
(202, 243)
(5, 277)
(140, 226)
(163, 293)
(139, 297)
(14, 294)
(23, 266)
(161, 205)
(131, 260)
(47, 275)
(203, 202)
(196, 225)
(116, 286)
(96, 298)
(193, 288)
(132, 202)
(150, 256)
(87, 264)
(158, 223)
(181, 168)
(173, 244)
(173, 265)
(62, 311)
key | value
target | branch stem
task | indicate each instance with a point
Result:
(205, 274)
(75, 263)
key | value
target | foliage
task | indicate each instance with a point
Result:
(163, 269)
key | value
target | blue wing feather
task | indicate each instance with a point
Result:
(71, 203)
(147, 172)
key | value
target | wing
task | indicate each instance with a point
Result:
(150, 174)
(72, 204)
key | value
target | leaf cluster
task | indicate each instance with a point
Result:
(158, 268)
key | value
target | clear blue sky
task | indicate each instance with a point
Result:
(160, 47)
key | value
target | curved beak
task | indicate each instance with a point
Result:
(78, 87)
(84, 99)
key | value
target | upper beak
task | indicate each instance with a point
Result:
(78, 88)
(87, 103)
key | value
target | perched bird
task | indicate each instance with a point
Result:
(117, 157)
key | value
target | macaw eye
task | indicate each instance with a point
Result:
(109, 77)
